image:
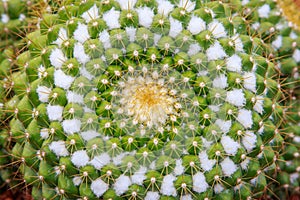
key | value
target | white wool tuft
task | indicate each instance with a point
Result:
(224, 125)
(131, 32)
(44, 133)
(206, 164)
(118, 159)
(199, 182)
(249, 140)
(239, 47)
(43, 93)
(218, 188)
(84, 72)
(99, 187)
(214, 108)
(127, 4)
(80, 54)
(80, 158)
(81, 34)
(111, 18)
(59, 148)
(196, 25)
(146, 15)
(264, 11)
(88, 135)
(62, 80)
(244, 2)
(186, 197)
(121, 185)
(91, 14)
(296, 139)
(230, 146)
(175, 27)
(206, 144)
(139, 176)
(259, 104)
(71, 126)
(187, 4)
(249, 81)
(152, 196)
(74, 97)
(164, 7)
(156, 38)
(234, 63)
(57, 58)
(220, 81)
(55, 112)
(62, 36)
(179, 169)
(255, 25)
(244, 163)
(245, 118)
(4, 18)
(101, 160)
(294, 177)
(167, 186)
(236, 97)
(217, 29)
(277, 43)
(77, 180)
(215, 52)
(104, 38)
(194, 49)
(228, 166)
(296, 55)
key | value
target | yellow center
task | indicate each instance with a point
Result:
(147, 102)
(291, 9)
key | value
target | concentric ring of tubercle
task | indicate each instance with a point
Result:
(197, 127)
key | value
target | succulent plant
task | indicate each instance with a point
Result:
(146, 99)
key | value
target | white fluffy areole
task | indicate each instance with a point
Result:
(62, 36)
(57, 58)
(62, 80)
(249, 140)
(152, 196)
(127, 4)
(215, 52)
(220, 81)
(224, 125)
(230, 146)
(43, 93)
(199, 182)
(196, 25)
(236, 97)
(228, 166)
(99, 187)
(234, 63)
(146, 15)
(101, 160)
(80, 54)
(249, 81)
(245, 118)
(91, 14)
(81, 34)
(164, 7)
(71, 126)
(167, 186)
(206, 164)
(55, 112)
(80, 158)
(175, 27)
(217, 29)
(122, 184)
(59, 148)
(264, 11)
(111, 18)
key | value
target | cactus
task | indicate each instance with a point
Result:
(146, 99)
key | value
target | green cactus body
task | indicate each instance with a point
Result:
(146, 100)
